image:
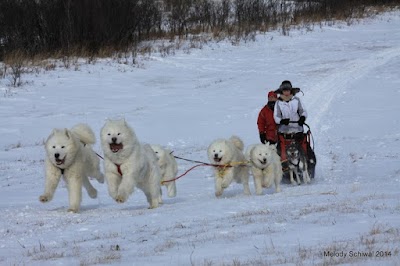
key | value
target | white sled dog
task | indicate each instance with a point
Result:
(129, 164)
(297, 163)
(228, 153)
(265, 166)
(69, 154)
(168, 168)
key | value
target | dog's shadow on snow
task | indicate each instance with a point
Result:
(232, 193)
(144, 206)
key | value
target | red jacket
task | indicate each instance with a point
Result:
(266, 124)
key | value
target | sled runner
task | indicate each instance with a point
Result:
(304, 142)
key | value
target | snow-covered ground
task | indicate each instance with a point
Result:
(349, 214)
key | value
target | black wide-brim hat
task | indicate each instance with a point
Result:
(286, 84)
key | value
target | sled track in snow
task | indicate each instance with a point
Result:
(339, 80)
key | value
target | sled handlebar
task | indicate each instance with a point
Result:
(309, 129)
(298, 122)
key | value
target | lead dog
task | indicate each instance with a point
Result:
(265, 166)
(69, 154)
(227, 154)
(129, 164)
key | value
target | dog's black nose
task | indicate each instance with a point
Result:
(114, 139)
(265, 160)
(57, 155)
(215, 155)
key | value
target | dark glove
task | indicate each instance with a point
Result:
(301, 120)
(263, 138)
(285, 121)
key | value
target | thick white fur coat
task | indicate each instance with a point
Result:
(137, 163)
(168, 168)
(228, 155)
(69, 154)
(265, 166)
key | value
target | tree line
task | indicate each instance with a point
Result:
(76, 27)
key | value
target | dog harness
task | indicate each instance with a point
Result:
(62, 170)
(119, 169)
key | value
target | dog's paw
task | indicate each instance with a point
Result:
(100, 179)
(154, 203)
(153, 206)
(171, 194)
(93, 193)
(224, 185)
(73, 210)
(218, 194)
(160, 201)
(120, 199)
(113, 194)
(44, 198)
(278, 189)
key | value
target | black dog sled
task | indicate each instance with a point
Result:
(305, 144)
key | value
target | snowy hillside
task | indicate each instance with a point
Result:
(348, 215)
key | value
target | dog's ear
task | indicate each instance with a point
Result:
(251, 149)
(274, 147)
(54, 131)
(67, 133)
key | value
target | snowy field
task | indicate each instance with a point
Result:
(348, 215)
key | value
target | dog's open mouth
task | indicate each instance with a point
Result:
(263, 161)
(116, 147)
(60, 161)
(217, 160)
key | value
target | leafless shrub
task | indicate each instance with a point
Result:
(3, 70)
(14, 146)
(66, 62)
(167, 49)
(109, 257)
(16, 62)
(165, 246)
(41, 253)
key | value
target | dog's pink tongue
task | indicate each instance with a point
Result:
(116, 147)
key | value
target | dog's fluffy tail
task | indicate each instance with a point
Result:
(84, 133)
(237, 142)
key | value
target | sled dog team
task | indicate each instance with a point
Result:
(128, 164)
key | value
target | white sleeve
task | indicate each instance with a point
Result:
(277, 113)
(302, 109)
